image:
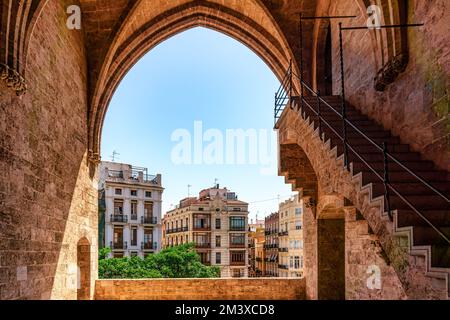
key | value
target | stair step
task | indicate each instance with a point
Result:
(440, 256)
(359, 166)
(396, 176)
(425, 236)
(413, 188)
(424, 202)
(409, 218)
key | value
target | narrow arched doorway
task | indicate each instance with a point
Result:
(331, 256)
(84, 269)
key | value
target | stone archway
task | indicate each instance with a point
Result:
(250, 23)
(331, 249)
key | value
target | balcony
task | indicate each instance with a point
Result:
(237, 245)
(203, 245)
(149, 245)
(118, 245)
(237, 228)
(283, 266)
(237, 263)
(283, 233)
(134, 217)
(202, 228)
(119, 218)
(149, 220)
(283, 250)
(177, 230)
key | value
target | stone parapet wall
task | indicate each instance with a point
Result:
(201, 289)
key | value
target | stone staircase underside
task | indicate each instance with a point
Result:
(420, 258)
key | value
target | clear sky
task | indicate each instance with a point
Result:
(199, 77)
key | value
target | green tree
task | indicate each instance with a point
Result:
(175, 262)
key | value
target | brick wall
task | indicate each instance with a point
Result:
(201, 289)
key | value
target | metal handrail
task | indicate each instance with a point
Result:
(282, 97)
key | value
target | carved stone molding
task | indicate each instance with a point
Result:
(94, 157)
(13, 79)
(390, 71)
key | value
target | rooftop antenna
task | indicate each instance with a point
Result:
(216, 183)
(114, 156)
(189, 190)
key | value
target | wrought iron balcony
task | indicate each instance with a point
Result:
(237, 228)
(149, 220)
(149, 245)
(237, 263)
(119, 218)
(134, 217)
(283, 266)
(118, 245)
(203, 245)
(283, 233)
(283, 249)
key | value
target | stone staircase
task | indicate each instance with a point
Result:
(426, 246)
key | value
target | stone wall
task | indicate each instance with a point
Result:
(201, 289)
(48, 200)
(416, 105)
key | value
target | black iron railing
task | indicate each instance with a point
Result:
(119, 218)
(287, 94)
(149, 220)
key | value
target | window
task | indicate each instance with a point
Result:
(218, 224)
(218, 258)
(291, 262)
(297, 262)
(298, 211)
(148, 236)
(200, 209)
(202, 221)
(218, 242)
(237, 239)
(134, 236)
(298, 225)
(202, 240)
(237, 257)
(205, 257)
(148, 194)
(237, 223)
(133, 210)
(148, 209)
(134, 193)
(118, 207)
(238, 273)
(118, 192)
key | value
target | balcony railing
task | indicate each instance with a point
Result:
(237, 245)
(119, 218)
(118, 245)
(149, 220)
(203, 245)
(149, 245)
(177, 230)
(202, 228)
(237, 228)
(134, 217)
(283, 249)
(237, 263)
(283, 233)
(271, 246)
(283, 266)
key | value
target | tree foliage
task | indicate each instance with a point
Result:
(175, 262)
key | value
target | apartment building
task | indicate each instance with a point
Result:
(256, 240)
(217, 222)
(271, 245)
(290, 238)
(130, 208)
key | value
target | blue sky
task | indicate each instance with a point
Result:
(198, 75)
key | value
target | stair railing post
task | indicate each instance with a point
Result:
(343, 104)
(386, 180)
(319, 115)
(290, 85)
(301, 61)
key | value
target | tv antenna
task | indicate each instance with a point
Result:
(114, 156)
(189, 190)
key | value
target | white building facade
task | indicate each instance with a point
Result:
(132, 201)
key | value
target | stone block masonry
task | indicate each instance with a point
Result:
(201, 289)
